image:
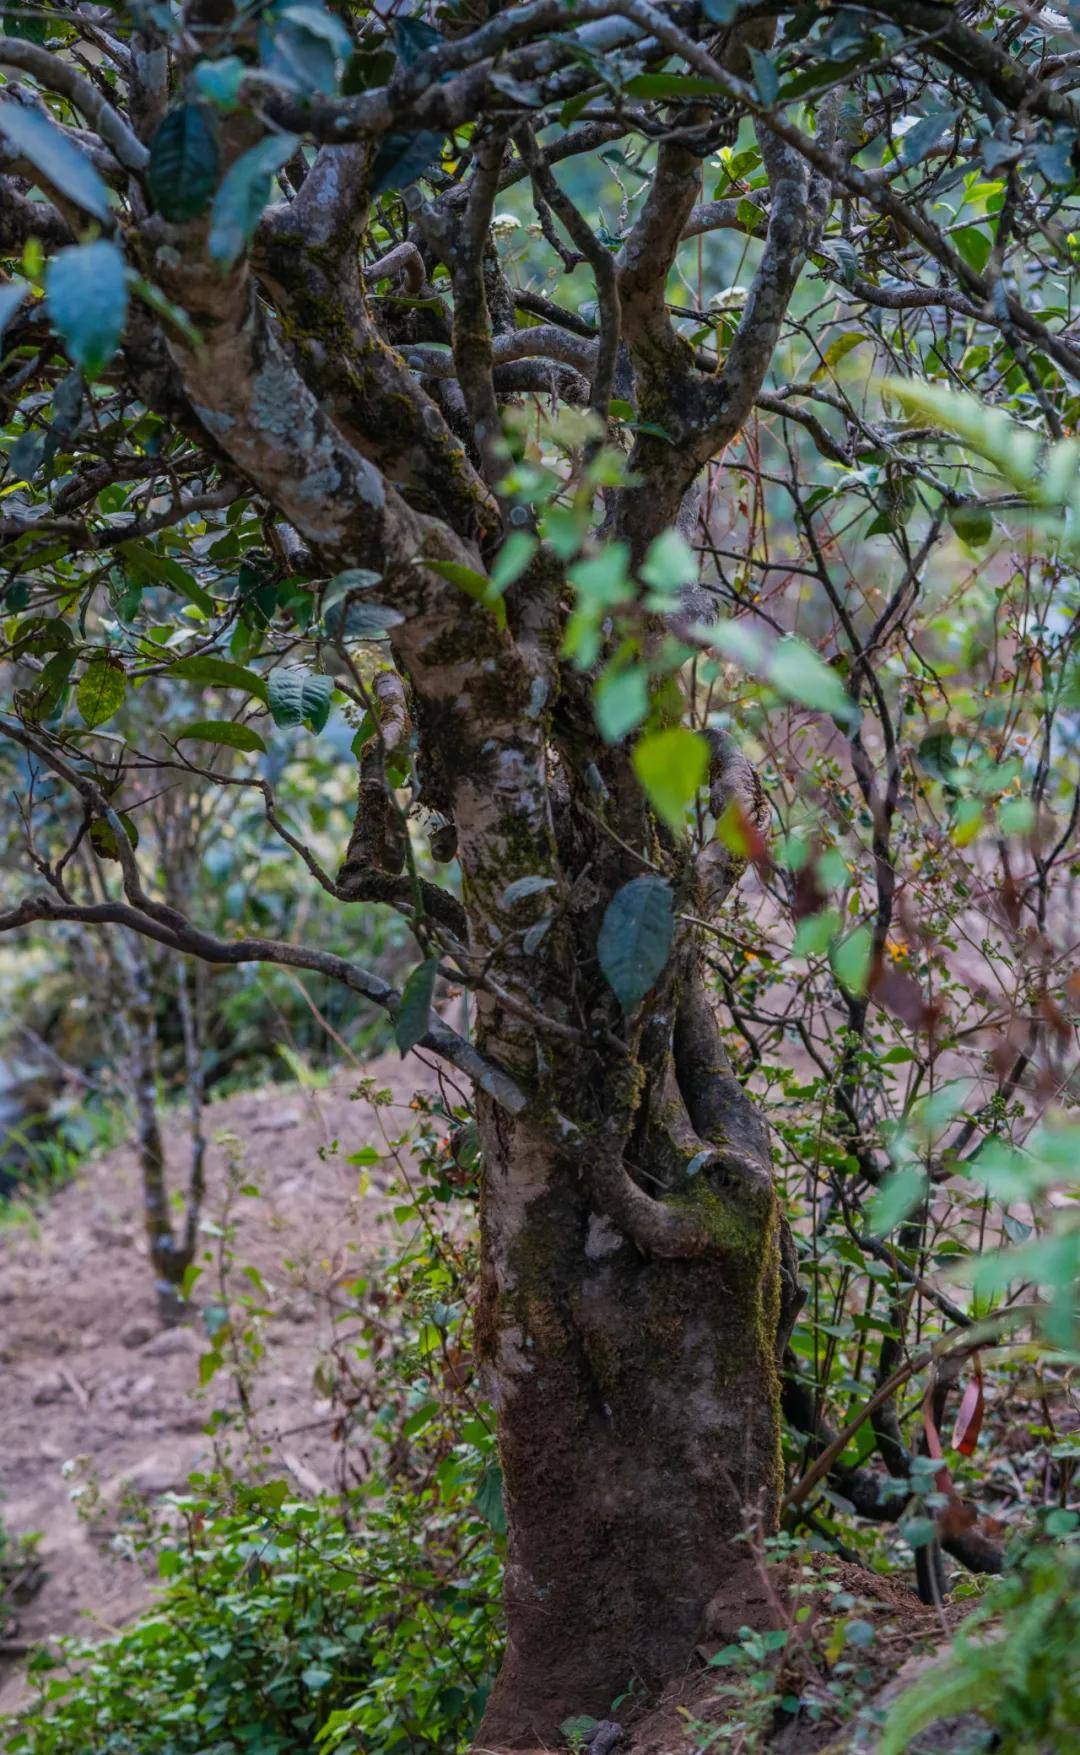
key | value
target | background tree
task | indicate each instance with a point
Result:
(290, 431)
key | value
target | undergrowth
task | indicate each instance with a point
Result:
(1015, 1663)
(366, 1622)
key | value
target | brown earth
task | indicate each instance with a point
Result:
(97, 1397)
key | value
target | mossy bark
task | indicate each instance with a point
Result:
(638, 1408)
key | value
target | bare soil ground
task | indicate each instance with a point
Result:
(88, 1372)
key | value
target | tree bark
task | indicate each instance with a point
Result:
(637, 1398)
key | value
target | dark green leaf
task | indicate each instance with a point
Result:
(489, 1499)
(671, 85)
(56, 158)
(148, 567)
(87, 299)
(184, 159)
(27, 454)
(343, 584)
(1056, 159)
(223, 731)
(414, 1012)
(360, 620)
(298, 696)
(766, 77)
(924, 136)
(847, 261)
(402, 158)
(367, 68)
(635, 938)
(302, 50)
(414, 37)
(221, 673)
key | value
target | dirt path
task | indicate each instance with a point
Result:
(87, 1372)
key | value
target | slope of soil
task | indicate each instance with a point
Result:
(97, 1398)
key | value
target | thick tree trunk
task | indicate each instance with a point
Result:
(638, 1406)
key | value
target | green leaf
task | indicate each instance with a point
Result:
(896, 1199)
(676, 86)
(53, 155)
(815, 933)
(671, 765)
(924, 136)
(219, 82)
(635, 938)
(239, 203)
(835, 352)
(402, 158)
(766, 77)
(947, 1691)
(101, 691)
(973, 524)
(414, 1012)
(103, 841)
(344, 584)
(367, 68)
(297, 696)
(974, 246)
(512, 559)
(87, 299)
(1016, 816)
(224, 731)
(184, 162)
(475, 585)
(850, 959)
(488, 1499)
(361, 620)
(670, 562)
(147, 566)
(220, 673)
(621, 702)
(796, 670)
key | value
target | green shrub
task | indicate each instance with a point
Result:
(1015, 1663)
(277, 1618)
(370, 1624)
